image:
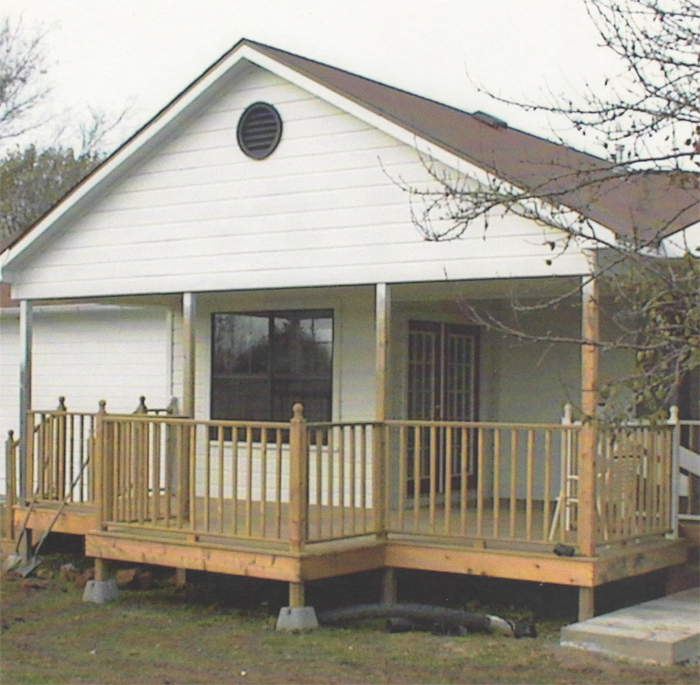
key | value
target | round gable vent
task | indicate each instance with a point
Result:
(259, 130)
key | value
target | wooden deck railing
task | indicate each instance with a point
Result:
(59, 445)
(634, 482)
(58, 455)
(341, 473)
(689, 447)
(294, 483)
(488, 481)
(214, 478)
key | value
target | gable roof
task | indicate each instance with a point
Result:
(647, 205)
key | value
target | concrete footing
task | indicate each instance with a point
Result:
(100, 591)
(302, 618)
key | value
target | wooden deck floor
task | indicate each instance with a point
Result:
(266, 522)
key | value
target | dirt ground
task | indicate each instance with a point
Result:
(206, 634)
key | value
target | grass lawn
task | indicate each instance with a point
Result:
(223, 632)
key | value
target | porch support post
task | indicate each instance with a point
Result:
(590, 362)
(383, 317)
(379, 462)
(189, 316)
(25, 392)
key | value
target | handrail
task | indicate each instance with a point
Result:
(480, 424)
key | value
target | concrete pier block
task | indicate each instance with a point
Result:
(302, 618)
(100, 591)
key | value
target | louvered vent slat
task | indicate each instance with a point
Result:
(259, 130)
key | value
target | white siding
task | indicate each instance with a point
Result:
(85, 354)
(324, 209)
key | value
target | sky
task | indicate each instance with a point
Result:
(110, 54)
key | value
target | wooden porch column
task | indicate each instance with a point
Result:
(383, 318)
(381, 401)
(189, 316)
(25, 393)
(590, 361)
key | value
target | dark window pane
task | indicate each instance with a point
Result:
(265, 362)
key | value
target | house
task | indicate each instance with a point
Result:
(251, 252)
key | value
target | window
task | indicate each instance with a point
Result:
(265, 362)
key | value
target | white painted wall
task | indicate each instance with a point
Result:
(353, 341)
(85, 353)
(325, 208)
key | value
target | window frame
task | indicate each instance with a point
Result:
(273, 375)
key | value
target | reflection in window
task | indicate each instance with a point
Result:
(264, 362)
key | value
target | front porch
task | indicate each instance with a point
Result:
(298, 501)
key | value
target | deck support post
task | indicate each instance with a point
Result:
(25, 396)
(103, 588)
(383, 320)
(180, 577)
(389, 587)
(297, 595)
(101, 569)
(590, 363)
(296, 617)
(586, 603)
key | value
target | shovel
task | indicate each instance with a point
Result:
(13, 559)
(34, 561)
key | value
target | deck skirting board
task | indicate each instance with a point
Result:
(539, 568)
(636, 560)
(216, 559)
(75, 521)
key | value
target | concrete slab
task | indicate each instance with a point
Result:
(663, 631)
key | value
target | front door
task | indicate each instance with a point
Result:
(442, 386)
